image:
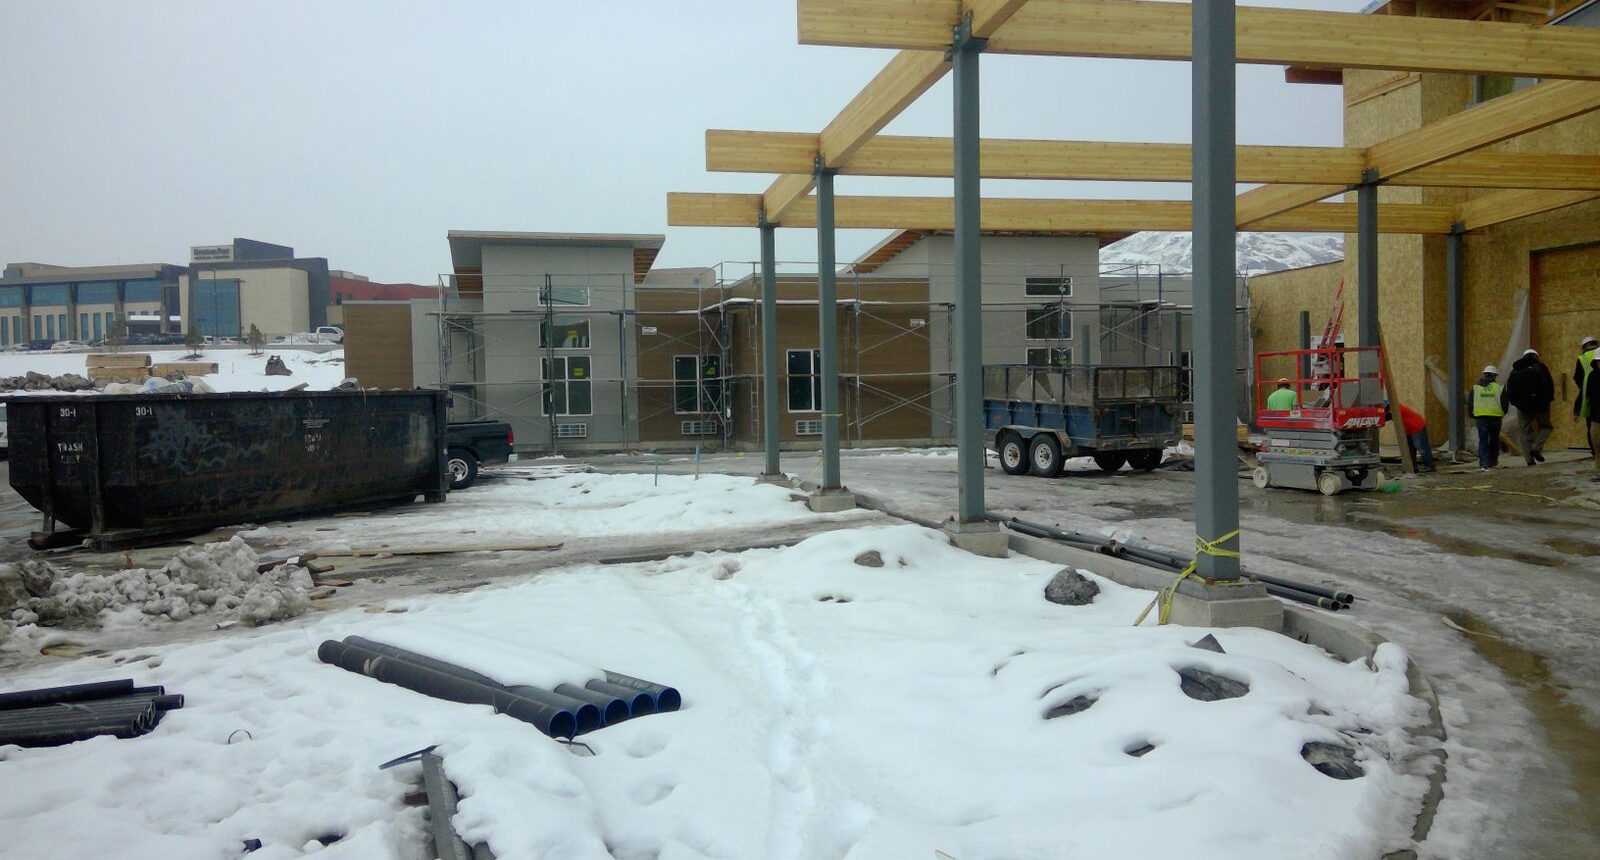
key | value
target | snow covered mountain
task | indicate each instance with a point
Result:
(1257, 252)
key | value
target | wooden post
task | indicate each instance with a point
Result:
(1394, 401)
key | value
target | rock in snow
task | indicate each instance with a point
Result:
(1333, 760)
(871, 558)
(1206, 686)
(1070, 588)
(209, 577)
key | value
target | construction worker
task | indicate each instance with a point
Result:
(1283, 398)
(1488, 410)
(1591, 393)
(1416, 428)
(1531, 389)
(1582, 407)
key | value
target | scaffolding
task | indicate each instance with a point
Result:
(1136, 314)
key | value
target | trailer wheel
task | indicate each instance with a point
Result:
(463, 468)
(1110, 461)
(1044, 456)
(1329, 483)
(1013, 454)
(1145, 459)
(1261, 477)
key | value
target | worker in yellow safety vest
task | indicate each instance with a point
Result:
(1488, 410)
(1283, 399)
(1581, 407)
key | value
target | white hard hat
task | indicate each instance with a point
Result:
(1491, 370)
(1590, 339)
(1530, 351)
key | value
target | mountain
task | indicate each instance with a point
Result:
(1258, 253)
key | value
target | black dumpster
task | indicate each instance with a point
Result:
(118, 468)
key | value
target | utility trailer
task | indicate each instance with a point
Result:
(1118, 415)
(1328, 440)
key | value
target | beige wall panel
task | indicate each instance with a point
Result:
(377, 344)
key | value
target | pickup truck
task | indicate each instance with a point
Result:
(475, 443)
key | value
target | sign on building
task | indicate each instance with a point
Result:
(210, 253)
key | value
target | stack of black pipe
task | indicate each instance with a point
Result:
(61, 715)
(564, 712)
(1288, 589)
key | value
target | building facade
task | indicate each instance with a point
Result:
(41, 302)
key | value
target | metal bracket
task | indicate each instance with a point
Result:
(961, 37)
(1370, 176)
(820, 167)
(761, 220)
(1458, 228)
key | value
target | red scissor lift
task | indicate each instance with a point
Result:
(1328, 441)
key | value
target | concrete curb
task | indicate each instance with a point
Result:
(1344, 639)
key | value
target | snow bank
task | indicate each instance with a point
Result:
(237, 369)
(554, 506)
(830, 710)
(216, 577)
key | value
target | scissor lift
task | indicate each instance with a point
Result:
(1328, 442)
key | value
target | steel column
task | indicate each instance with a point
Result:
(769, 349)
(1305, 343)
(1367, 282)
(827, 327)
(1215, 332)
(964, 53)
(1456, 378)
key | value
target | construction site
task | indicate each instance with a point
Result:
(979, 540)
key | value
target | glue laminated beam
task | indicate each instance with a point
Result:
(1502, 206)
(1003, 158)
(1499, 119)
(1137, 29)
(1269, 200)
(689, 209)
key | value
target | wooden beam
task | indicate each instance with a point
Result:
(1139, 29)
(1038, 215)
(1502, 206)
(783, 192)
(1001, 158)
(1484, 124)
(1270, 200)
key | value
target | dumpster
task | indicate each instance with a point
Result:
(120, 468)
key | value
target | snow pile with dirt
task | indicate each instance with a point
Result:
(216, 578)
(529, 506)
(237, 369)
(935, 703)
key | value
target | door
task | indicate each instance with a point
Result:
(1565, 305)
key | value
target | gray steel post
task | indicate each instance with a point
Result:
(1215, 333)
(769, 349)
(969, 280)
(1305, 343)
(827, 327)
(1367, 281)
(1454, 371)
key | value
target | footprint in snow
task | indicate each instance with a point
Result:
(646, 745)
(652, 791)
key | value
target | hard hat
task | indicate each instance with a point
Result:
(1491, 370)
(1283, 380)
(1530, 351)
(1589, 340)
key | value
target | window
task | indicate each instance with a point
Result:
(1049, 323)
(97, 293)
(111, 322)
(50, 326)
(16, 329)
(5, 333)
(148, 290)
(1050, 356)
(10, 297)
(37, 330)
(49, 294)
(564, 296)
(698, 428)
(567, 386)
(1486, 87)
(571, 333)
(61, 325)
(572, 431)
(696, 383)
(810, 427)
(98, 327)
(83, 326)
(805, 380)
(1051, 287)
(215, 309)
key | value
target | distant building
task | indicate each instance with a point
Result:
(45, 302)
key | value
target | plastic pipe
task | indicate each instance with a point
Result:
(612, 708)
(72, 693)
(639, 702)
(666, 698)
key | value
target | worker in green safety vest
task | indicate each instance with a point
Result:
(1488, 410)
(1283, 399)
(1581, 407)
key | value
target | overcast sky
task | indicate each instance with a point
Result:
(362, 131)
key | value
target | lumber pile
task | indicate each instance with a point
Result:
(108, 366)
(187, 368)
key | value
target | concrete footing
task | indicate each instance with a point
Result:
(831, 501)
(779, 479)
(983, 538)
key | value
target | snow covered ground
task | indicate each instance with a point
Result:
(237, 369)
(551, 504)
(831, 709)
